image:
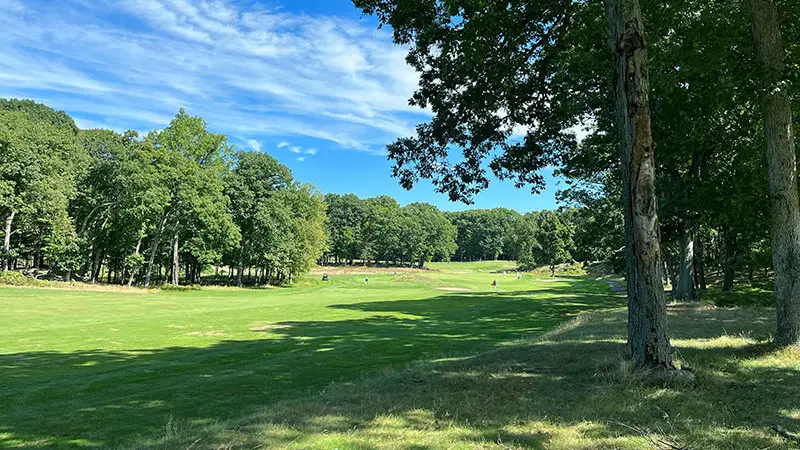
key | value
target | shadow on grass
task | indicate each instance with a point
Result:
(266, 391)
(568, 391)
(108, 399)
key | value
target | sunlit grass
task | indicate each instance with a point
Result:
(98, 368)
(396, 363)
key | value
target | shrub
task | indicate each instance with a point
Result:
(12, 278)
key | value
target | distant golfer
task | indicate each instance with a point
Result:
(324, 277)
(494, 284)
(366, 280)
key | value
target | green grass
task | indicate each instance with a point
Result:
(398, 363)
(112, 369)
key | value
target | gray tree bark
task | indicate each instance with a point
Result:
(685, 288)
(648, 341)
(133, 269)
(176, 261)
(240, 269)
(7, 240)
(153, 250)
(782, 165)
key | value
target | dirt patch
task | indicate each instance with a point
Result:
(454, 289)
(214, 333)
(176, 326)
(267, 326)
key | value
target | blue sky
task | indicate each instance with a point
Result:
(314, 83)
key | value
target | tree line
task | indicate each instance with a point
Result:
(690, 157)
(171, 204)
(149, 209)
(379, 230)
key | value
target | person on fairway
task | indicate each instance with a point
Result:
(366, 280)
(494, 284)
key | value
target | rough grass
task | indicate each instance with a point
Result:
(568, 389)
(396, 364)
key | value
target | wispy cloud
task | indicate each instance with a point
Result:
(248, 70)
(301, 158)
(253, 144)
(295, 149)
(311, 151)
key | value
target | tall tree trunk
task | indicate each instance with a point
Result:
(648, 340)
(176, 260)
(133, 269)
(781, 160)
(153, 251)
(240, 269)
(700, 264)
(685, 288)
(729, 241)
(7, 241)
(96, 266)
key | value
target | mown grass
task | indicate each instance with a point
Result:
(567, 390)
(80, 368)
(394, 364)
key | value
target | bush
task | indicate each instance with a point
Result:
(12, 278)
(573, 268)
(180, 287)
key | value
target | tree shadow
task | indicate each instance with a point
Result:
(574, 388)
(297, 381)
(107, 399)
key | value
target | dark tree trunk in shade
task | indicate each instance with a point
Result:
(700, 264)
(648, 341)
(685, 287)
(782, 165)
(96, 266)
(729, 248)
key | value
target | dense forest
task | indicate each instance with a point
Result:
(171, 205)
(177, 203)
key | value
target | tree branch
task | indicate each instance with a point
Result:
(784, 433)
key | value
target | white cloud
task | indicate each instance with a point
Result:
(295, 149)
(254, 144)
(301, 158)
(311, 151)
(244, 68)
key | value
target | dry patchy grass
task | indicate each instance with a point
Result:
(568, 389)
